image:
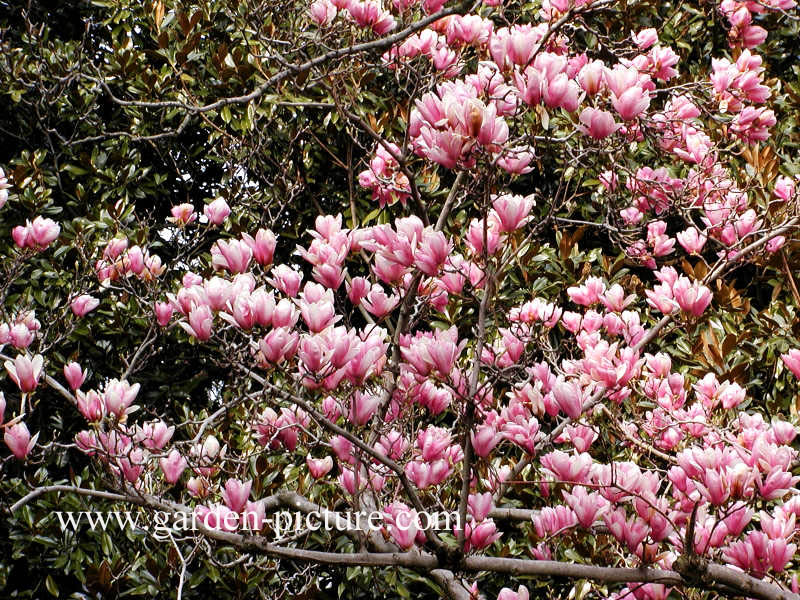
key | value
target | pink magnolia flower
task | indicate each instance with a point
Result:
(318, 315)
(614, 298)
(286, 279)
(588, 508)
(569, 397)
(480, 505)
(319, 467)
(119, 395)
(480, 536)
(645, 38)
(475, 237)
(516, 161)
(233, 255)
(631, 103)
(201, 321)
(792, 361)
(38, 235)
(403, 524)
(44, 231)
(4, 185)
(154, 436)
(19, 335)
(784, 188)
(509, 594)
(74, 375)
(84, 304)
(757, 554)
(775, 243)
(217, 211)
(431, 252)
(286, 314)
(217, 517)
(22, 237)
(554, 519)
(597, 124)
(377, 303)
(369, 14)
(278, 345)
(568, 467)
(591, 77)
(91, 405)
(263, 245)
(322, 12)
(197, 487)
(692, 297)
(692, 240)
(357, 289)
(511, 211)
(163, 312)
(172, 466)
(19, 441)
(589, 293)
(25, 371)
(182, 214)
(776, 484)
(432, 442)
(631, 531)
(236, 493)
(362, 407)
(752, 124)
(580, 436)
(485, 439)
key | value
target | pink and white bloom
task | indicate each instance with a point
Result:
(182, 214)
(792, 361)
(262, 245)
(74, 375)
(25, 371)
(90, 405)
(84, 304)
(509, 594)
(217, 211)
(319, 467)
(172, 466)
(236, 493)
(631, 103)
(692, 240)
(19, 441)
(511, 211)
(645, 38)
(597, 124)
(119, 395)
(322, 12)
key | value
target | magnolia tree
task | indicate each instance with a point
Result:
(533, 311)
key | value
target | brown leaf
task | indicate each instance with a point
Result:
(158, 14)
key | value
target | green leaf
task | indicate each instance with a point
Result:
(51, 586)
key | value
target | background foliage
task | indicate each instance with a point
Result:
(78, 148)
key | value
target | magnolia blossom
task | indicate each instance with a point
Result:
(25, 371)
(4, 186)
(19, 441)
(631, 102)
(792, 361)
(597, 124)
(84, 304)
(217, 211)
(319, 467)
(38, 234)
(172, 466)
(74, 375)
(182, 214)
